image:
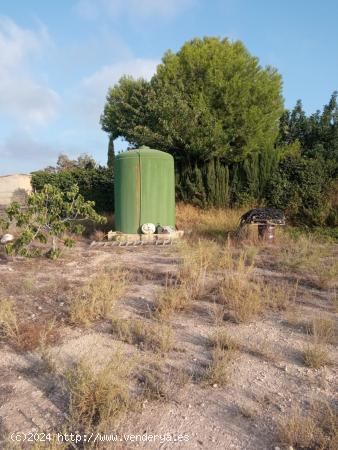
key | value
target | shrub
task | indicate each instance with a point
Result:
(95, 184)
(300, 186)
(48, 218)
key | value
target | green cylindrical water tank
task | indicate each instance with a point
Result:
(144, 189)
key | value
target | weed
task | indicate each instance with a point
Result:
(237, 262)
(318, 429)
(48, 363)
(211, 223)
(327, 273)
(242, 298)
(280, 296)
(24, 336)
(96, 399)
(300, 253)
(315, 356)
(148, 336)
(196, 260)
(169, 300)
(97, 298)
(305, 254)
(30, 335)
(323, 330)
(217, 373)
(9, 326)
(221, 339)
(153, 382)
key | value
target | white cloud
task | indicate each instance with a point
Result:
(132, 9)
(22, 98)
(91, 95)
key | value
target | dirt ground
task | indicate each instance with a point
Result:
(268, 377)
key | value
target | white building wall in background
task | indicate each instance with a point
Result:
(14, 188)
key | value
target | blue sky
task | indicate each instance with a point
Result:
(58, 58)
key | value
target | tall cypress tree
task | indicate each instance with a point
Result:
(111, 153)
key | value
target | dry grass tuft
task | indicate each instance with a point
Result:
(221, 339)
(97, 298)
(96, 399)
(30, 336)
(24, 336)
(326, 272)
(9, 326)
(218, 371)
(234, 261)
(242, 298)
(154, 385)
(197, 259)
(171, 299)
(280, 297)
(316, 430)
(307, 255)
(316, 356)
(159, 381)
(300, 253)
(323, 330)
(147, 336)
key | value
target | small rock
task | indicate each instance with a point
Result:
(277, 448)
(215, 385)
(7, 238)
(189, 406)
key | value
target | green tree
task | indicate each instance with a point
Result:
(50, 217)
(210, 99)
(317, 134)
(111, 154)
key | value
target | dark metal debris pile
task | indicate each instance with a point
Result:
(263, 216)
